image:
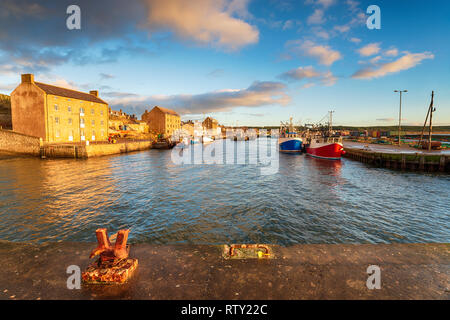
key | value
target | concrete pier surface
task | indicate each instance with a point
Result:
(401, 157)
(389, 148)
(315, 271)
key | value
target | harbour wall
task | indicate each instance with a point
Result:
(93, 150)
(18, 143)
(418, 161)
(303, 271)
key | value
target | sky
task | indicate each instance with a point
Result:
(244, 62)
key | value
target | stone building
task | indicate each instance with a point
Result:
(210, 123)
(211, 126)
(58, 114)
(162, 121)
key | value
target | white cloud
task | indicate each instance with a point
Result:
(8, 69)
(322, 34)
(316, 17)
(301, 73)
(369, 50)
(355, 40)
(343, 28)
(391, 52)
(308, 85)
(204, 21)
(407, 61)
(8, 87)
(353, 5)
(375, 59)
(328, 79)
(259, 93)
(310, 75)
(323, 3)
(324, 54)
(288, 25)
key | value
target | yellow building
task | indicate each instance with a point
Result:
(162, 120)
(58, 114)
(188, 127)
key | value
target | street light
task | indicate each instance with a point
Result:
(400, 113)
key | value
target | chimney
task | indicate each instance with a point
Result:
(28, 78)
(94, 93)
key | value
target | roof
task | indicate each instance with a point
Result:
(212, 119)
(69, 93)
(164, 110)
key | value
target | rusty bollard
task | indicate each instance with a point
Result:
(113, 265)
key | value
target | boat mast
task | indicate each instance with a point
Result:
(430, 111)
(431, 124)
(330, 123)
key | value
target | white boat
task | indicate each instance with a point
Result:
(206, 140)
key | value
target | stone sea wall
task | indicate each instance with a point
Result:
(19, 143)
(14, 142)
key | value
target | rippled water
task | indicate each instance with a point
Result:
(307, 201)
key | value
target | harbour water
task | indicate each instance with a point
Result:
(307, 201)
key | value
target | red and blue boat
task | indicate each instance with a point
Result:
(289, 140)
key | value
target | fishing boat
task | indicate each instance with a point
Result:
(324, 145)
(330, 148)
(163, 143)
(289, 140)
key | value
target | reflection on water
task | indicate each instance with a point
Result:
(308, 201)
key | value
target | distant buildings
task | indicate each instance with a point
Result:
(162, 121)
(212, 126)
(188, 127)
(58, 114)
(120, 121)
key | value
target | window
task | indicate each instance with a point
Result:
(56, 107)
(101, 112)
(102, 122)
(93, 122)
(57, 133)
(57, 120)
(81, 110)
(69, 109)
(82, 120)
(70, 120)
(92, 111)
(102, 132)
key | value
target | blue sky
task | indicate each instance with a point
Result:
(244, 62)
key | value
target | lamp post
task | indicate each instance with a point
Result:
(400, 113)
